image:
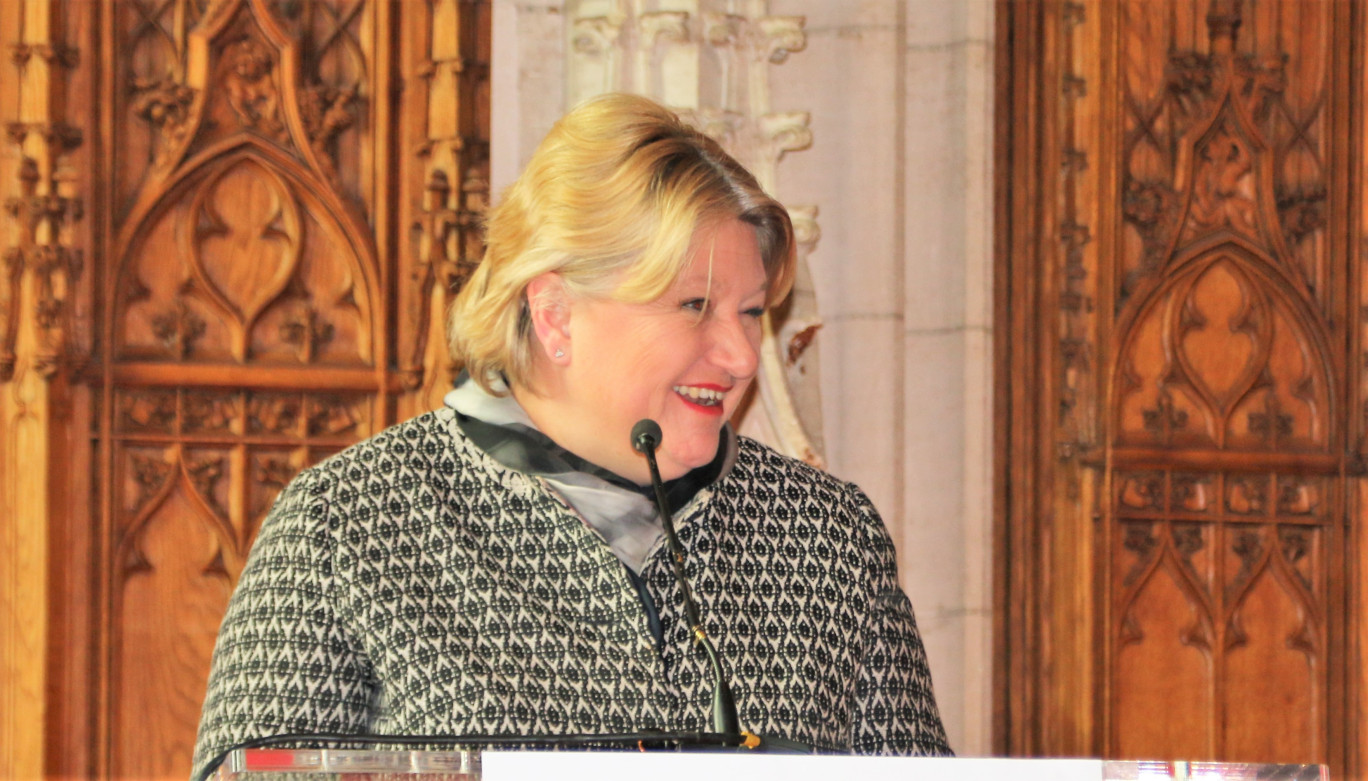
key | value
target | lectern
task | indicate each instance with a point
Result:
(489, 765)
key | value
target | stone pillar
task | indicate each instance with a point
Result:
(901, 100)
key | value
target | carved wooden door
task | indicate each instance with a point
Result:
(1183, 326)
(259, 209)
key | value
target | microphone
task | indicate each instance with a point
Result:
(646, 437)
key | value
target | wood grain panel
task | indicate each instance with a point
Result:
(1165, 676)
(221, 246)
(1274, 647)
(174, 587)
(1195, 369)
(259, 249)
(246, 245)
(44, 336)
(23, 579)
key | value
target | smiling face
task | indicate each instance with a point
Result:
(684, 360)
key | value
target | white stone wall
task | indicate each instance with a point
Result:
(900, 93)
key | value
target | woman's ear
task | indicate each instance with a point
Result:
(548, 305)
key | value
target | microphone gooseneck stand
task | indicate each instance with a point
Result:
(646, 437)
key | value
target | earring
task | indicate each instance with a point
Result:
(560, 353)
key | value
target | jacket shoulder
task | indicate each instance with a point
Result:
(761, 464)
(399, 452)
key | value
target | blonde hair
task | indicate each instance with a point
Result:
(611, 201)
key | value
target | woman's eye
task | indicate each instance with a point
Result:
(756, 311)
(696, 304)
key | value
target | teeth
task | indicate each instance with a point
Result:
(704, 396)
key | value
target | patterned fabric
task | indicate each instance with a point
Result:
(623, 513)
(413, 585)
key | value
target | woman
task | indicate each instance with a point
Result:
(496, 567)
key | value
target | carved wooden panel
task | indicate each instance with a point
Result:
(245, 246)
(284, 196)
(45, 338)
(194, 473)
(1227, 305)
(1219, 587)
(444, 188)
(1200, 376)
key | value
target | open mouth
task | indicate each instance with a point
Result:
(701, 396)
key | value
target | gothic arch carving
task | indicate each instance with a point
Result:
(186, 210)
(1207, 364)
(1218, 274)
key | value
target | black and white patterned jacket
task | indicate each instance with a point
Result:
(411, 584)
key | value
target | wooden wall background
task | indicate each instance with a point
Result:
(232, 227)
(1181, 359)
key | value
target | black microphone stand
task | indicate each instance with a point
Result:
(646, 438)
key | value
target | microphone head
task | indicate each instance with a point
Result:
(645, 435)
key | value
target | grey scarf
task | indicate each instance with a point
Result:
(622, 513)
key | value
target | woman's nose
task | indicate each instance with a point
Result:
(736, 346)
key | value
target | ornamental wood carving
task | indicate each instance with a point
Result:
(45, 338)
(243, 247)
(285, 195)
(1201, 382)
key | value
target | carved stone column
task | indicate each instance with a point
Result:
(709, 60)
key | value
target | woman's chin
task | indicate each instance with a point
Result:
(676, 466)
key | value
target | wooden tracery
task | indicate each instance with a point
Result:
(256, 212)
(1193, 504)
